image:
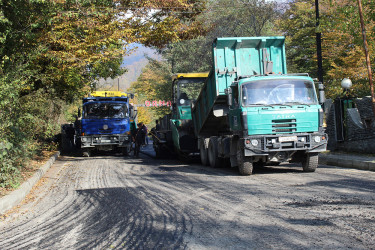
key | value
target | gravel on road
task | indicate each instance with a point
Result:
(126, 203)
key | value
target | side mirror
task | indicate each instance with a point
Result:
(228, 91)
(135, 113)
(322, 97)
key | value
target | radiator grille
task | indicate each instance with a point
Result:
(284, 126)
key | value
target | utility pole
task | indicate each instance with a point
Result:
(318, 42)
(367, 55)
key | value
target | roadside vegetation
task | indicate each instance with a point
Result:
(342, 43)
(53, 52)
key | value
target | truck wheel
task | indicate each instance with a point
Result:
(310, 162)
(86, 153)
(157, 153)
(203, 153)
(245, 167)
(212, 152)
(233, 154)
(125, 151)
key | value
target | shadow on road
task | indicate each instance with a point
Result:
(172, 163)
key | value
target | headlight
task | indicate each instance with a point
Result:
(317, 139)
(84, 139)
(254, 142)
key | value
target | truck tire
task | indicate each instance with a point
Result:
(86, 153)
(310, 162)
(203, 153)
(212, 153)
(157, 152)
(245, 167)
(125, 151)
(233, 154)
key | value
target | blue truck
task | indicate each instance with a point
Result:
(106, 122)
(251, 112)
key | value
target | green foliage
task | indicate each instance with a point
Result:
(154, 84)
(52, 52)
(189, 56)
(223, 18)
(298, 26)
(342, 42)
(13, 142)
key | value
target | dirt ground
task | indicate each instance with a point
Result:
(125, 203)
(29, 169)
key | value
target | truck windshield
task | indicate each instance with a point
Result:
(283, 91)
(104, 110)
(188, 90)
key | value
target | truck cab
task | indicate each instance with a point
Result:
(176, 133)
(277, 118)
(252, 112)
(106, 122)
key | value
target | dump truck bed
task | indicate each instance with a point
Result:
(234, 58)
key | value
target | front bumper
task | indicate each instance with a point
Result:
(269, 144)
(92, 141)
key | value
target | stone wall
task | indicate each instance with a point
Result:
(359, 127)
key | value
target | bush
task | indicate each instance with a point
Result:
(28, 124)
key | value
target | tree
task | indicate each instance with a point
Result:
(345, 44)
(223, 18)
(298, 26)
(53, 51)
(341, 42)
(153, 84)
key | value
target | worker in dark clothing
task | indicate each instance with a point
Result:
(70, 135)
(157, 127)
(139, 138)
(145, 138)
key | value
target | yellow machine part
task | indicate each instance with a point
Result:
(108, 94)
(189, 75)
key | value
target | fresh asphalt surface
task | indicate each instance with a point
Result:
(110, 201)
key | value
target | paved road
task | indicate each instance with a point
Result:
(107, 202)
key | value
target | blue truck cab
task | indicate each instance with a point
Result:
(106, 122)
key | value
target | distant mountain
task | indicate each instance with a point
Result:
(134, 63)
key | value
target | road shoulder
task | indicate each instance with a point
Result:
(15, 197)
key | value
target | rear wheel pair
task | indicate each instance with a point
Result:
(209, 156)
(209, 152)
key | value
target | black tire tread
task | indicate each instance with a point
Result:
(310, 163)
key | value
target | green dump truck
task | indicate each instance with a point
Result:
(251, 112)
(176, 134)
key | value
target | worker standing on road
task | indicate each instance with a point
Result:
(139, 139)
(157, 126)
(70, 135)
(145, 129)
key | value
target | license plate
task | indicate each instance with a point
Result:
(287, 138)
(105, 140)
